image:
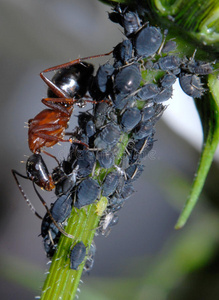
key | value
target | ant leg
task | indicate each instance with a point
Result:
(58, 92)
(15, 174)
(73, 62)
(49, 213)
(53, 103)
(51, 138)
(100, 101)
(47, 153)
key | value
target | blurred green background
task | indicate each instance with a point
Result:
(143, 257)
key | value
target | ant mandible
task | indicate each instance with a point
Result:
(67, 87)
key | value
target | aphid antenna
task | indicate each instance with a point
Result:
(140, 28)
(126, 150)
(93, 170)
(193, 55)
(135, 172)
(50, 215)
(163, 42)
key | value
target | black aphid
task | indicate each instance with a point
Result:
(77, 255)
(87, 192)
(105, 158)
(84, 160)
(130, 118)
(110, 183)
(90, 258)
(148, 91)
(191, 85)
(128, 79)
(164, 95)
(169, 46)
(123, 52)
(147, 41)
(134, 172)
(62, 207)
(108, 137)
(169, 62)
(168, 80)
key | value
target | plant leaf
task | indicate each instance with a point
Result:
(208, 109)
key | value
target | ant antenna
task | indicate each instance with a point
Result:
(32, 208)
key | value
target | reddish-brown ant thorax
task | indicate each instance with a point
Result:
(47, 128)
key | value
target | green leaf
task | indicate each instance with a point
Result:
(208, 108)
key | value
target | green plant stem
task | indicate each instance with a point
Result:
(62, 282)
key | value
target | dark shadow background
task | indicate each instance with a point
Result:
(35, 35)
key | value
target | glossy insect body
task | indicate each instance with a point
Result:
(73, 81)
(88, 191)
(66, 88)
(169, 46)
(108, 137)
(133, 172)
(50, 235)
(105, 158)
(77, 255)
(168, 80)
(101, 83)
(110, 183)
(38, 173)
(128, 79)
(61, 209)
(148, 91)
(47, 128)
(169, 62)
(191, 85)
(122, 53)
(147, 41)
(130, 118)
(129, 20)
(164, 95)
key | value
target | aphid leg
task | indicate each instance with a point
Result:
(50, 215)
(15, 174)
(50, 237)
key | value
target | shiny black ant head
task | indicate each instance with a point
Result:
(38, 172)
(73, 80)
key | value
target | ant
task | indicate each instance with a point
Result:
(67, 87)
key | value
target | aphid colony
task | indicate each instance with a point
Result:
(125, 108)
